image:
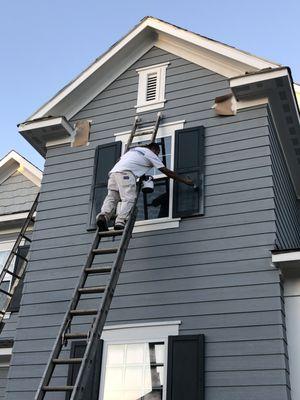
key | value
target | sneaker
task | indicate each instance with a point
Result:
(119, 226)
(102, 222)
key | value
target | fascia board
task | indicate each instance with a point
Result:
(13, 217)
(200, 56)
(209, 44)
(258, 77)
(286, 257)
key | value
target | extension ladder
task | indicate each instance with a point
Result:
(76, 391)
(152, 132)
(23, 235)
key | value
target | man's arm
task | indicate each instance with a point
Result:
(173, 175)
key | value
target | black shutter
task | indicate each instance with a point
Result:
(189, 160)
(185, 377)
(16, 299)
(92, 388)
(106, 156)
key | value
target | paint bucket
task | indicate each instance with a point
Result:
(148, 184)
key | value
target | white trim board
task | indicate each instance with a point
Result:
(286, 257)
(258, 77)
(13, 217)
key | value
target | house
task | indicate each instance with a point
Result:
(19, 184)
(220, 263)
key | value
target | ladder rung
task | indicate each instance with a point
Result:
(12, 273)
(19, 255)
(143, 133)
(5, 292)
(83, 312)
(92, 289)
(76, 335)
(58, 388)
(105, 251)
(67, 360)
(110, 233)
(27, 238)
(99, 270)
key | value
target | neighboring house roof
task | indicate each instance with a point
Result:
(20, 182)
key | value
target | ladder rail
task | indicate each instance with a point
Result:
(99, 322)
(14, 253)
(132, 133)
(96, 328)
(156, 126)
(66, 321)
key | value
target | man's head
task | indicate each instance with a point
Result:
(154, 147)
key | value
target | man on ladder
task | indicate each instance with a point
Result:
(122, 182)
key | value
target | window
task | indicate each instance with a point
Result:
(151, 87)
(134, 361)
(5, 248)
(170, 200)
(134, 371)
(143, 361)
(158, 205)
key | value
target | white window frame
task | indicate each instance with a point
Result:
(137, 333)
(164, 130)
(159, 102)
(7, 246)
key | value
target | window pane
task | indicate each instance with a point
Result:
(3, 257)
(157, 353)
(135, 353)
(156, 204)
(116, 355)
(4, 286)
(134, 371)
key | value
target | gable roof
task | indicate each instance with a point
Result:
(216, 56)
(250, 78)
(13, 162)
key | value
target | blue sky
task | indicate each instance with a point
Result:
(45, 43)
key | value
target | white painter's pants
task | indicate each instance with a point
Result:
(121, 187)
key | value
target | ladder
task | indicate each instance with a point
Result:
(23, 235)
(76, 391)
(152, 132)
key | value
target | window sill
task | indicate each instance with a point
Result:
(156, 224)
(150, 106)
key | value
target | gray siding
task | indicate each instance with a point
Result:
(17, 194)
(287, 206)
(3, 381)
(213, 273)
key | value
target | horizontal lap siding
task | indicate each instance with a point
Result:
(213, 273)
(17, 194)
(287, 206)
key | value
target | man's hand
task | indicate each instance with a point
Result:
(173, 175)
(188, 181)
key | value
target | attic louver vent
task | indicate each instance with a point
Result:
(151, 87)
